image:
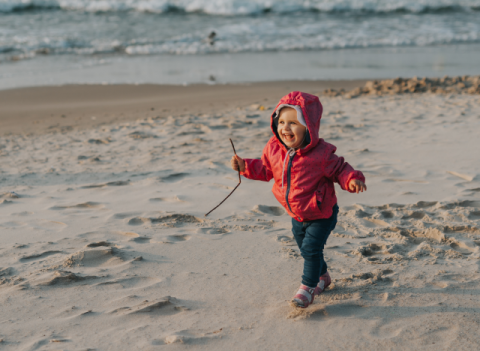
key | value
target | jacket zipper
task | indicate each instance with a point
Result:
(289, 167)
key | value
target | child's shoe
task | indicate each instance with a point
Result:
(304, 296)
(324, 282)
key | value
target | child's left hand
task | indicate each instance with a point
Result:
(357, 186)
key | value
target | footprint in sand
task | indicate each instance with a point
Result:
(85, 205)
(425, 204)
(142, 135)
(173, 220)
(428, 251)
(164, 306)
(103, 235)
(269, 210)
(131, 282)
(62, 278)
(172, 239)
(39, 255)
(48, 225)
(391, 252)
(372, 223)
(178, 238)
(115, 183)
(138, 220)
(464, 245)
(188, 337)
(12, 224)
(124, 215)
(167, 199)
(465, 203)
(99, 244)
(99, 141)
(174, 177)
(94, 258)
(128, 234)
(5, 271)
(214, 231)
(141, 239)
(440, 285)
(414, 215)
(387, 214)
(286, 240)
(290, 253)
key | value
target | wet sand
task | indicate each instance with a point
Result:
(40, 109)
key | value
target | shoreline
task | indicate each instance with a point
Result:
(235, 68)
(37, 110)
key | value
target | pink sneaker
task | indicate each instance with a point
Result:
(324, 282)
(304, 296)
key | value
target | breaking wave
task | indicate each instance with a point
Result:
(244, 7)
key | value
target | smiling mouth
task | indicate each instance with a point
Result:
(288, 137)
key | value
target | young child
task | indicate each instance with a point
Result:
(304, 168)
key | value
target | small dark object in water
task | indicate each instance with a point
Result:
(211, 38)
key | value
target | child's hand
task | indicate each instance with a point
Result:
(357, 186)
(237, 163)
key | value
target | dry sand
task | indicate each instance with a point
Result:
(105, 246)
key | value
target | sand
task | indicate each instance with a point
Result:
(68, 107)
(105, 246)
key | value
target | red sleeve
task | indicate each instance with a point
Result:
(258, 169)
(340, 171)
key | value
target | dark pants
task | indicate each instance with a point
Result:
(311, 237)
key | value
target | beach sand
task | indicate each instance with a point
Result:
(105, 246)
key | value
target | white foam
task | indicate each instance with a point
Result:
(239, 7)
(245, 29)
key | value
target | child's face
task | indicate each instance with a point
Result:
(289, 128)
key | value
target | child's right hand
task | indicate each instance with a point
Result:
(237, 163)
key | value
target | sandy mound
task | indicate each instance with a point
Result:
(94, 258)
(445, 85)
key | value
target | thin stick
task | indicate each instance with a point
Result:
(239, 182)
(239, 178)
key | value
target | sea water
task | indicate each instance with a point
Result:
(76, 34)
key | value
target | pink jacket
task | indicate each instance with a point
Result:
(308, 174)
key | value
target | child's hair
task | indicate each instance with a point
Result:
(296, 108)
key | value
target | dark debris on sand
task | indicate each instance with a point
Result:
(445, 85)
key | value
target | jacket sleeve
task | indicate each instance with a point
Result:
(340, 171)
(258, 169)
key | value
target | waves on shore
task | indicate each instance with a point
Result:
(89, 34)
(181, 27)
(245, 7)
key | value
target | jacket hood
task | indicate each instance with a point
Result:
(312, 113)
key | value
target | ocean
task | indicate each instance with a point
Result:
(86, 33)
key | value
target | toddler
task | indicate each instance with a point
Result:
(304, 168)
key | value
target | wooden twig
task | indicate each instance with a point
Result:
(239, 182)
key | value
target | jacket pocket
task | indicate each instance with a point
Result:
(319, 195)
